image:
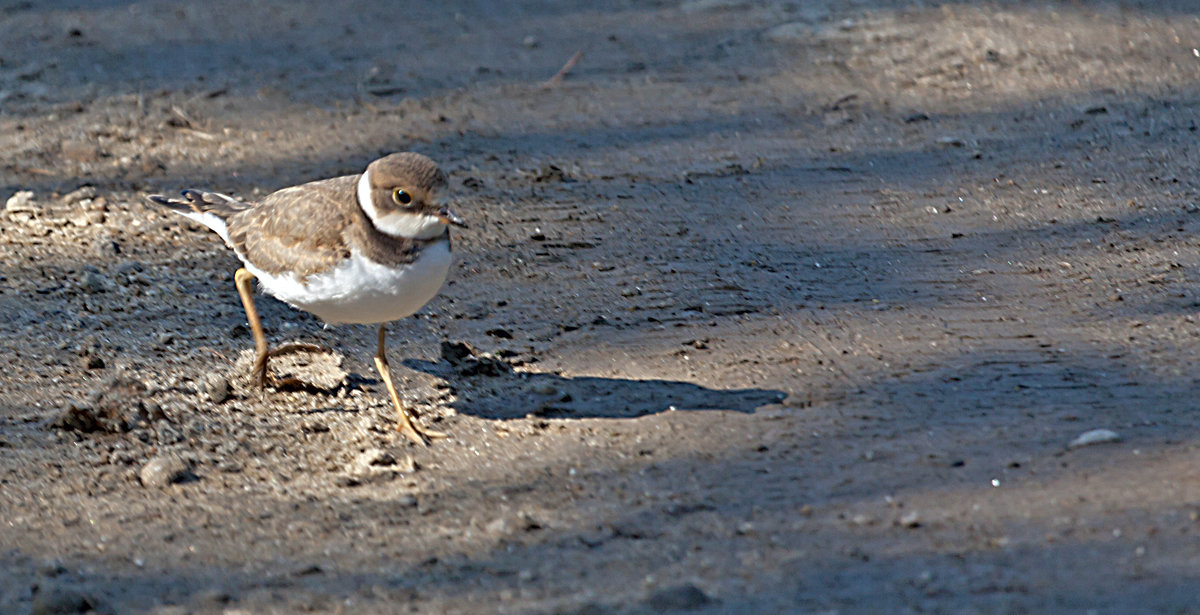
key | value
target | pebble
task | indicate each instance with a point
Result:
(374, 457)
(107, 247)
(910, 519)
(213, 595)
(21, 202)
(165, 470)
(94, 282)
(374, 465)
(500, 526)
(468, 362)
(685, 597)
(78, 416)
(53, 599)
(216, 387)
(51, 568)
(862, 520)
(88, 218)
(1095, 436)
(116, 406)
(79, 194)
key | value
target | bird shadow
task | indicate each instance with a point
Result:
(490, 388)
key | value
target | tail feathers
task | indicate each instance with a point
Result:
(208, 208)
(220, 205)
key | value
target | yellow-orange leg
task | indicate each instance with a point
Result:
(406, 425)
(243, 279)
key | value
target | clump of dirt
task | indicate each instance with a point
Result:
(117, 406)
(467, 361)
(765, 306)
(315, 371)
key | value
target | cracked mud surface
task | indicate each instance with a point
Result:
(764, 307)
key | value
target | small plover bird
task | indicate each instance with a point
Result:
(366, 249)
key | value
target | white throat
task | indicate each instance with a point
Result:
(397, 224)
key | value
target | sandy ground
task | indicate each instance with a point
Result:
(765, 307)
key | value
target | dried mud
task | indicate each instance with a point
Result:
(764, 307)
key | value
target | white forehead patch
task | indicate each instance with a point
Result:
(400, 223)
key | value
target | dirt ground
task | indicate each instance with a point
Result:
(765, 307)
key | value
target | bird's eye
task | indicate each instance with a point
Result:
(401, 197)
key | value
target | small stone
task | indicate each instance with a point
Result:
(107, 247)
(88, 218)
(910, 519)
(684, 597)
(1095, 436)
(216, 387)
(165, 470)
(468, 362)
(552, 173)
(530, 41)
(77, 417)
(21, 202)
(374, 457)
(53, 599)
(314, 426)
(214, 596)
(93, 362)
(79, 194)
(114, 407)
(347, 480)
(457, 353)
(862, 520)
(529, 522)
(500, 526)
(51, 568)
(94, 282)
(595, 538)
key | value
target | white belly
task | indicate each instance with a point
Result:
(361, 291)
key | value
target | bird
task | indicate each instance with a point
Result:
(369, 248)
